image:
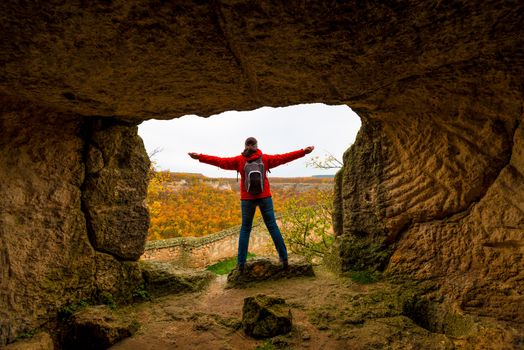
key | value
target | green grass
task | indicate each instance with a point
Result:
(226, 266)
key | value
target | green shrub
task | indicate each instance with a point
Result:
(141, 294)
(306, 224)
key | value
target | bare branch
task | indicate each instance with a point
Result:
(329, 161)
(154, 152)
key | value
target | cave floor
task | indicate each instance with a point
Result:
(329, 312)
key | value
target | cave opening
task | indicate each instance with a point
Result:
(436, 182)
(187, 198)
(332, 129)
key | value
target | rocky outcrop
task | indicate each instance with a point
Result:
(141, 59)
(114, 189)
(265, 316)
(433, 187)
(263, 269)
(49, 259)
(164, 278)
(40, 341)
(97, 327)
(442, 196)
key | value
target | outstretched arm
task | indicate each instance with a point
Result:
(279, 159)
(224, 163)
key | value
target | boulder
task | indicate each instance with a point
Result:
(164, 278)
(40, 341)
(263, 269)
(97, 327)
(265, 316)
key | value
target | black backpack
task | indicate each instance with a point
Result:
(254, 176)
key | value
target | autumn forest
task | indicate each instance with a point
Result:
(184, 205)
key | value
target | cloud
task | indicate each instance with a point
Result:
(278, 130)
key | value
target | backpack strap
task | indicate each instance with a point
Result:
(262, 163)
(269, 171)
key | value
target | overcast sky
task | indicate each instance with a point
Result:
(278, 130)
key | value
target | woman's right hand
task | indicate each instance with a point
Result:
(194, 155)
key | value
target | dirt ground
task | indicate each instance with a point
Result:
(329, 312)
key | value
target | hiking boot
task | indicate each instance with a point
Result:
(241, 268)
(285, 264)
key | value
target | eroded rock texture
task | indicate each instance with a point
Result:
(437, 194)
(432, 188)
(47, 259)
(113, 193)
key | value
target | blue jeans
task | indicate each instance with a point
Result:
(248, 212)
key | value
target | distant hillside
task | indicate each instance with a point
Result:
(178, 181)
(324, 176)
(188, 204)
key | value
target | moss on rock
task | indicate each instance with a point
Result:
(363, 254)
(162, 278)
(264, 316)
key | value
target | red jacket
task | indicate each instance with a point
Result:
(237, 163)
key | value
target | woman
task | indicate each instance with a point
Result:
(250, 200)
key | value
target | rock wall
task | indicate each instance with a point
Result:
(439, 187)
(432, 188)
(114, 190)
(47, 259)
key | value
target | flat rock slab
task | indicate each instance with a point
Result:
(98, 327)
(265, 316)
(164, 278)
(263, 269)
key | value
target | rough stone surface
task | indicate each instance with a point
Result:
(119, 281)
(433, 186)
(47, 261)
(445, 199)
(143, 59)
(40, 341)
(97, 327)
(265, 316)
(115, 189)
(262, 269)
(164, 278)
